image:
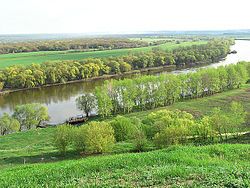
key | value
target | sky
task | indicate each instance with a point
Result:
(121, 16)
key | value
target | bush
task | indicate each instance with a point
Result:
(62, 137)
(203, 131)
(171, 136)
(78, 138)
(157, 122)
(139, 138)
(99, 137)
(123, 128)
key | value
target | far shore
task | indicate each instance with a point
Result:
(107, 76)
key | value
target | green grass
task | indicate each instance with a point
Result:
(40, 57)
(225, 165)
(180, 166)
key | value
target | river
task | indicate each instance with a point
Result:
(60, 99)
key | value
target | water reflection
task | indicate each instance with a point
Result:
(60, 100)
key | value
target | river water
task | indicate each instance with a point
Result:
(60, 99)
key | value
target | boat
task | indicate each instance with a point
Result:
(77, 119)
(233, 52)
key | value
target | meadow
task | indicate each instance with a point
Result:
(222, 165)
(40, 57)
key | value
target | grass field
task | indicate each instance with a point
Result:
(40, 57)
(224, 165)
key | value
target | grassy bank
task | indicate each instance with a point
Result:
(29, 159)
(39, 57)
(35, 145)
(184, 166)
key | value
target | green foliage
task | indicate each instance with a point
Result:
(99, 137)
(149, 92)
(237, 115)
(63, 71)
(62, 137)
(169, 127)
(139, 138)
(86, 103)
(77, 136)
(30, 115)
(203, 131)
(8, 124)
(123, 128)
(103, 101)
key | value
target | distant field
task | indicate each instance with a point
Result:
(40, 57)
(152, 39)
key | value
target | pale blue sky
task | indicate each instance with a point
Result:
(122, 16)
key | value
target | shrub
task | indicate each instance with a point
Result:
(62, 137)
(171, 136)
(157, 122)
(203, 131)
(99, 137)
(139, 138)
(78, 138)
(123, 128)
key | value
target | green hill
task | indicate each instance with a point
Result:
(29, 159)
(186, 166)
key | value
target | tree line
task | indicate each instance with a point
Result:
(148, 92)
(36, 75)
(161, 129)
(73, 44)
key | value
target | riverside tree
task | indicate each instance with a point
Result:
(86, 103)
(148, 92)
(8, 124)
(30, 115)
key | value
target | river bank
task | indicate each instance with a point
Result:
(103, 77)
(60, 99)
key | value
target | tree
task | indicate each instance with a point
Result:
(103, 100)
(8, 124)
(220, 123)
(125, 67)
(30, 115)
(99, 137)
(86, 103)
(237, 116)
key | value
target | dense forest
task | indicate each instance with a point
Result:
(148, 92)
(53, 72)
(74, 44)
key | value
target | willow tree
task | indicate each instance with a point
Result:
(86, 103)
(8, 124)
